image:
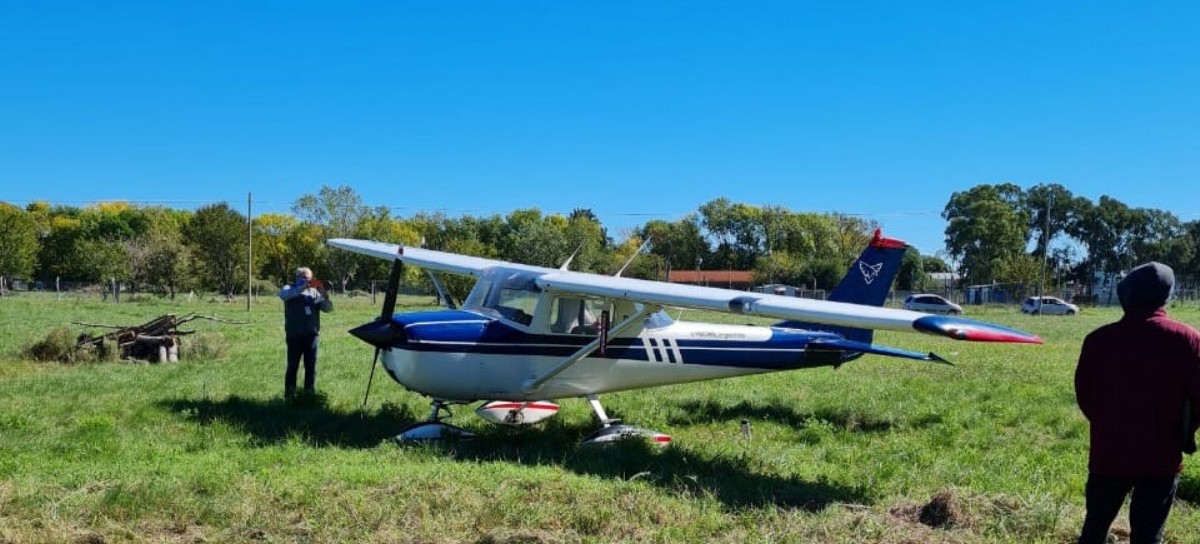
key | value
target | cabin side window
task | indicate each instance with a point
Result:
(575, 315)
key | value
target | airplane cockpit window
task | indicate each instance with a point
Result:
(575, 315)
(658, 320)
(506, 293)
(516, 304)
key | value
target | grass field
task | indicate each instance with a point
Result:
(880, 450)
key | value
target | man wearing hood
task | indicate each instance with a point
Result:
(1138, 384)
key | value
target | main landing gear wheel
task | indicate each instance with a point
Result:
(433, 429)
(612, 430)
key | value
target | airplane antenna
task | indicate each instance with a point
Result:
(634, 256)
(567, 262)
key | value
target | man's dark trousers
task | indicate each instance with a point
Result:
(1148, 508)
(298, 347)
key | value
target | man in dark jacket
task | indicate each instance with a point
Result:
(303, 302)
(1138, 384)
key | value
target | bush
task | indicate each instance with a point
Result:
(60, 346)
(202, 345)
(57, 346)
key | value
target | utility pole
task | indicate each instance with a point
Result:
(249, 249)
(1045, 248)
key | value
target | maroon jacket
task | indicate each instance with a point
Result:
(1131, 383)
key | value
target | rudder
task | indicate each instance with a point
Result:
(868, 282)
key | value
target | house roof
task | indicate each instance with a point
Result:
(711, 276)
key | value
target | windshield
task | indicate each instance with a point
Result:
(515, 304)
(507, 294)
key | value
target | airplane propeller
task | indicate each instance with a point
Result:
(382, 333)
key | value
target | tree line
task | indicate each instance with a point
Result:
(994, 233)
(1001, 233)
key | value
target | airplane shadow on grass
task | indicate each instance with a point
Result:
(1189, 489)
(728, 478)
(691, 412)
(276, 420)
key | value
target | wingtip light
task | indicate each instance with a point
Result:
(973, 331)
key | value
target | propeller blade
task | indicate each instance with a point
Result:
(393, 286)
(370, 379)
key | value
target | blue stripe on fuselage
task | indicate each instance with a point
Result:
(467, 332)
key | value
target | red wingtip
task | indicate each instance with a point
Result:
(974, 331)
(994, 336)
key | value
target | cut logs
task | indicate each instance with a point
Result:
(156, 340)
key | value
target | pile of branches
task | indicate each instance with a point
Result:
(155, 340)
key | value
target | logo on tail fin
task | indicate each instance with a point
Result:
(869, 271)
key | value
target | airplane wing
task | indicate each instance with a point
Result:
(703, 298)
(779, 307)
(426, 258)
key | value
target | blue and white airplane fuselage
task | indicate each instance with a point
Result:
(458, 355)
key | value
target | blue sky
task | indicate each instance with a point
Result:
(638, 110)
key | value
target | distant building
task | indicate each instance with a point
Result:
(727, 279)
(942, 280)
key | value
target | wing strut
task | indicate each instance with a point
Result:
(536, 382)
(441, 290)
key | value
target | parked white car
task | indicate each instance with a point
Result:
(932, 304)
(1049, 306)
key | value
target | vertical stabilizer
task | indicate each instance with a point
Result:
(868, 282)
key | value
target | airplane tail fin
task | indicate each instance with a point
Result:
(867, 282)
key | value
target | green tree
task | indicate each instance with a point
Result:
(18, 242)
(274, 254)
(1108, 231)
(61, 254)
(379, 225)
(216, 235)
(536, 240)
(912, 274)
(586, 239)
(932, 264)
(158, 258)
(1162, 237)
(738, 231)
(1063, 208)
(781, 267)
(337, 211)
(986, 226)
(680, 244)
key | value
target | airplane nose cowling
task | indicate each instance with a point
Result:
(379, 333)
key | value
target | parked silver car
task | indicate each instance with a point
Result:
(1048, 305)
(932, 304)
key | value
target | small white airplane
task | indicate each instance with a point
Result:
(526, 335)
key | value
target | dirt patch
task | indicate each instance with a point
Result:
(90, 538)
(945, 510)
(519, 538)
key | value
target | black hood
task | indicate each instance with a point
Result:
(1146, 287)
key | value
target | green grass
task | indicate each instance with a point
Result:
(206, 450)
